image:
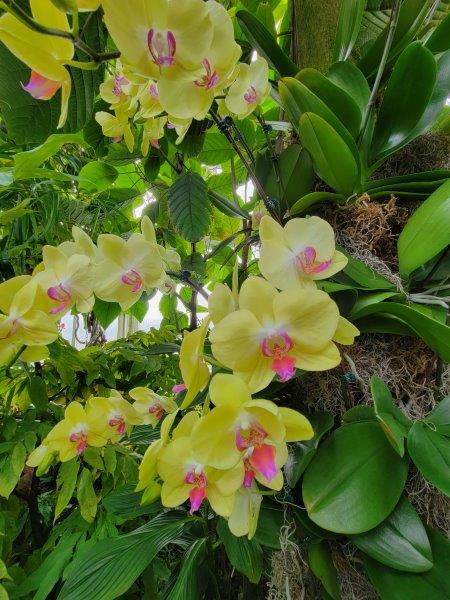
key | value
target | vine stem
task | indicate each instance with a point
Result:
(384, 57)
(11, 7)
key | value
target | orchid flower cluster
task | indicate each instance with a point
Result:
(70, 276)
(224, 450)
(177, 57)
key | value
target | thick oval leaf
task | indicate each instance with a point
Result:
(321, 564)
(427, 232)
(108, 568)
(263, 41)
(439, 417)
(348, 77)
(392, 584)
(189, 206)
(302, 205)
(406, 97)
(245, 555)
(439, 40)
(400, 541)
(86, 496)
(301, 453)
(430, 452)
(337, 100)
(411, 16)
(350, 17)
(332, 158)
(296, 176)
(67, 480)
(355, 479)
(97, 176)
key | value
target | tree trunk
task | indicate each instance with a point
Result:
(314, 28)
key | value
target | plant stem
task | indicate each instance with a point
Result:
(14, 359)
(193, 284)
(389, 39)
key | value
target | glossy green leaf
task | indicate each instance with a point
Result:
(11, 468)
(400, 541)
(97, 176)
(321, 564)
(359, 413)
(67, 480)
(271, 519)
(189, 206)
(301, 453)
(245, 555)
(350, 18)
(86, 496)
(411, 16)
(263, 41)
(106, 312)
(192, 578)
(227, 207)
(332, 158)
(305, 202)
(264, 13)
(427, 232)
(126, 503)
(337, 100)
(355, 479)
(349, 78)
(37, 390)
(439, 40)
(434, 333)
(216, 149)
(364, 275)
(425, 176)
(296, 176)
(394, 422)
(406, 97)
(439, 417)
(108, 568)
(392, 584)
(430, 452)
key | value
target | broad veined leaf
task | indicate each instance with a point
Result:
(400, 541)
(189, 206)
(305, 202)
(332, 158)
(337, 99)
(126, 503)
(108, 568)
(355, 479)
(394, 422)
(434, 333)
(427, 232)
(430, 452)
(67, 480)
(439, 417)
(263, 41)
(296, 176)
(264, 13)
(392, 584)
(86, 496)
(216, 149)
(439, 40)
(193, 577)
(406, 97)
(97, 176)
(301, 453)
(350, 17)
(106, 312)
(321, 564)
(245, 555)
(348, 77)
(11, 469)
(411, 16)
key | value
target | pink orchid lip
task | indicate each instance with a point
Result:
(305, 261)
(157, 410)
(133, 279)
(153, 91)
(262, 460)
(251, 95)
(179, 387)
(119, 81)
(118, 423)
(261, 456)
(81, 440)
(198, 493)
(249, 475)
(278, 346)
(210, 79)
(60, 294)
(40, 87)
(162, 49)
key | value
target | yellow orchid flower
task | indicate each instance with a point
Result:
(250, 88)
(194, 369)
(44, 54)
(244, 517)
(78, 430)
(151, 407)
(215, 71)
(116, 91)
(258, 213)
(301, 252)
(127, 268)
(181, 127)
(148, 467)
(22, 320)
(276, 332)
(119, 414)
(185, 477)
(39, 455)
(67, 281)
(345, 332)
(116, 126)
(221, 302)
(149, 104)
(170, 257)
(154, 37)
(81, 244)
(241, 429)
(153, 130)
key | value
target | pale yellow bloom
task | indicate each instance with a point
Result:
(250, 88)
